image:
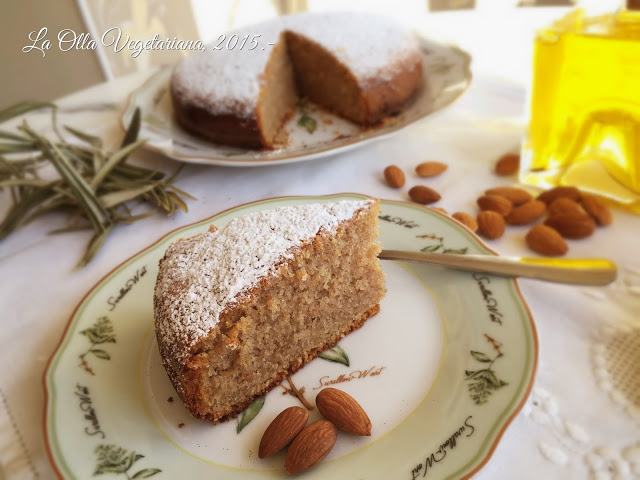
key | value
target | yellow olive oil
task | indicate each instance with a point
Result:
(584, 111)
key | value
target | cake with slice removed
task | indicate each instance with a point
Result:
(239, 308)
(363, 67)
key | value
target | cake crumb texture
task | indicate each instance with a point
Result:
(239, 308)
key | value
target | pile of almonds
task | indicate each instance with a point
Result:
(310, 444)
(570, 213)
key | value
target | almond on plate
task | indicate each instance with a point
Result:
(311, 445)
(546, 241)
(394, 176)
(527, 213)
(282, 430)
(495, 203)
(491, 224)
(518, 196)
(343, 411)
(424, 195)
(430, 169)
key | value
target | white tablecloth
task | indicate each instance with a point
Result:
(578, 422)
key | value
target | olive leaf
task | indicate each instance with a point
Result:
(335, 354)
(90, 139)
(249, 414)
(430, 248)
(95, 186)
(308, 123)
(22, 108)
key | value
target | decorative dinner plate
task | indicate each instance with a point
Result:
(441, 371)
(312, 132)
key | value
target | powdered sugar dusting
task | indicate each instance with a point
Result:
(228, 81)
(202, 276)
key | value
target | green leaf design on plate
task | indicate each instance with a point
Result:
(114, 459)
(146, 473)
(101, 354)
(483, 382)
(100, 332)
(481, 357)
(335, 354)
(457, 251)
(440, 245)
(249, 414)
(492, 379)
(308, 123)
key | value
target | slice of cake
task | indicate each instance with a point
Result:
(239, 308)
(361, 66)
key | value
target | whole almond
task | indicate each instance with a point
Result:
(424, 195)
(572, 226)
(565, 205)
(430, 169)
(549, 196)
(527, 213)
(546, 241)
(467, 220)
(518, 196)
(597, 209)
(311, 445)
(495, 203)
(282, 430)
(491, 224)
(507, 164)
(394, 176)
(343, 411)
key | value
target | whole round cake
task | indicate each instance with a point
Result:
(362, 67)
